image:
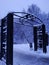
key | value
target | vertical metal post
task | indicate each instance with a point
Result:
(1, 36)
(44, 39)
(9, 59)
(35, 38)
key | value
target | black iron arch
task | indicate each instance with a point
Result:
(28, 16)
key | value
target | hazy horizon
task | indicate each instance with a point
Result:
(18, 5)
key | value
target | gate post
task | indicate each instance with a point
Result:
(9, 58)
(35, 38)
(44, 39)
(1, 37)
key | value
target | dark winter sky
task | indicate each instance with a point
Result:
(18, 5)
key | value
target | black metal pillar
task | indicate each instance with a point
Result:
(1, 38)
(44, 39)
(9, 59)
(35, 38)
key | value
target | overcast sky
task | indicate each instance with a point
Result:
(18, 5)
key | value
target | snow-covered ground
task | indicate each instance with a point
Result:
(23, 55)
(25, 49)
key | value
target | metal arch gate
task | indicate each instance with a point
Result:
(7, 37)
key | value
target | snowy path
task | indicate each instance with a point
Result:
(22, 55)
(24, 59)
